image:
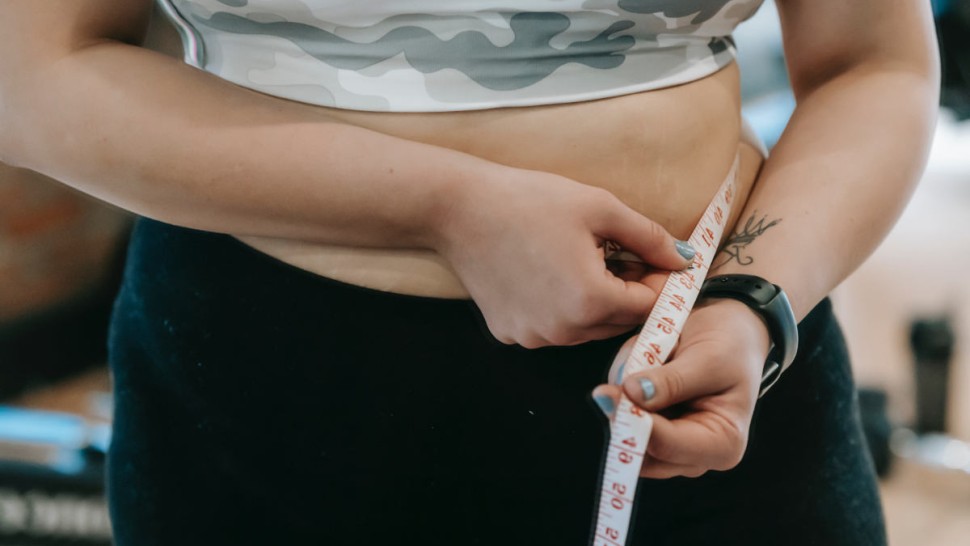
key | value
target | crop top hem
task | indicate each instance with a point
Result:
(417, 56)
(562, 98)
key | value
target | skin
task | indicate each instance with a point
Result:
(865, 76)
(80, 102)
(663, 153)
(147, 133)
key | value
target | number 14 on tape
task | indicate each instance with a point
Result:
(630, 426)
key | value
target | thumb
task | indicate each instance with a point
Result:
(615, 376)
(643, 237)
(607, 399)
(680, 380)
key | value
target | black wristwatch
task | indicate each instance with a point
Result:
(771, 304)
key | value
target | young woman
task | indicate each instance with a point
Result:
(353, 201)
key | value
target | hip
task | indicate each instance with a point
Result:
(322, 411)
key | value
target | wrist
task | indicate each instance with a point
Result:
(770, 303)
(747, 324)
(460, 189)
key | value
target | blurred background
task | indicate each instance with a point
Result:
(906, 313)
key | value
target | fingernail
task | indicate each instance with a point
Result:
(619, 374)
(685, 250)
(605, 403)
(649, 390)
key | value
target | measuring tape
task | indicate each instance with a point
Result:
(630, 426)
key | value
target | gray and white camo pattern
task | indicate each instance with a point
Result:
(447, 55)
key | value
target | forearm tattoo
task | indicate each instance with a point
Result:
(735, 248)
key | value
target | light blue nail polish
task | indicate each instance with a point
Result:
(619, 374)
(649, 390)
(685, 250)
(605, 403)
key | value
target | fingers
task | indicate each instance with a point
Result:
(687, 446)
(615, 375)
(702, 402)
(692, 376)
(662, 470)
(627, 302)
(566, 338)
(713, 433)
(706, 439)
(608, 307)
(607, 399)
(641, 236)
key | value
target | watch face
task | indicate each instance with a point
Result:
(755, 288)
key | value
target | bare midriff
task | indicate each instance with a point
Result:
(663, 152)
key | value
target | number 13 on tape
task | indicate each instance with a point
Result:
(630, 426)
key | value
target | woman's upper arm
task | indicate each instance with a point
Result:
(34, 35)
(824, 38)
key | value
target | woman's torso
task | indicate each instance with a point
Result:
(661, 151)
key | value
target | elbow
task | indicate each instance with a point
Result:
(20, 90)
(927, 73)
(10, 152)
(18, 119)
(927, 79)
(32, 115)
(933, 81)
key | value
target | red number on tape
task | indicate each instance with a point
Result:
(625, 457)
(708, 237)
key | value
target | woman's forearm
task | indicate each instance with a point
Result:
(835, 183)
(165, 140)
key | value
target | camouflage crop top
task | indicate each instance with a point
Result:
(445, 55)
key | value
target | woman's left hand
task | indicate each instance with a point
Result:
(702, 400)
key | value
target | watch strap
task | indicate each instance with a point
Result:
(769, 302)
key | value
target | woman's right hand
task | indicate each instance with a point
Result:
(528, 247)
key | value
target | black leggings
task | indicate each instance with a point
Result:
(261, 404)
